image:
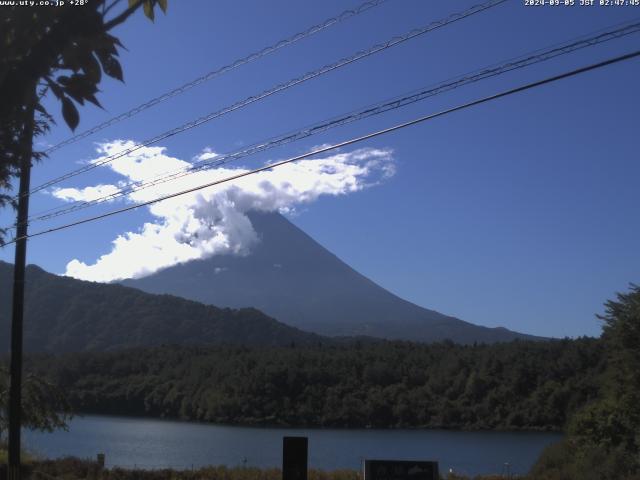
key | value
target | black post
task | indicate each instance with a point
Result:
(294, 458)
(15, 388)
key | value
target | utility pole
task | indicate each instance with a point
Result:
(15, 388)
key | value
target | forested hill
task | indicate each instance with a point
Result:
(518, 385)
(63, 314)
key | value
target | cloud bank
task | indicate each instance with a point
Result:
(212, 221)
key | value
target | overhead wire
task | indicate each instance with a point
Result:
(528, 59)
(394, 41)
(352, 141)
(219, 71)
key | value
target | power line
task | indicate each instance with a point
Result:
(385, 131)
(525, 60)
(221, 70)
(397, 40)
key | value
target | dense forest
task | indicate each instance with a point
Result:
(518, 385)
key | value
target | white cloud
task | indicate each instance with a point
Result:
(207, 154)
(84, 194)
(213, 220)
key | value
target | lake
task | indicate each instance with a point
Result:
(151, 443)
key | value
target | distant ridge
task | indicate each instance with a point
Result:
(291, 277)
(67, 315)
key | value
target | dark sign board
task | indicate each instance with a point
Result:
(400, 470)
(294, 458)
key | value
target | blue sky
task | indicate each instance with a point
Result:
(521, 212)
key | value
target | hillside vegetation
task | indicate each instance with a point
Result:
(602, 441)
(65, 315)
(518, 385)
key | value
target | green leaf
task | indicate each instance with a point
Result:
(70, 113)
(148, 9)
(112, 67)
(94, 100)
(79, 87)
(71, 58)
(57, 91)
(105, 45)
(114, 41)
(163, 5)
(91, 68)
(41, 109)
(63, 80)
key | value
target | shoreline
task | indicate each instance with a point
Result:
(263, 425)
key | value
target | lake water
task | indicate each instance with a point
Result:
(150, 443)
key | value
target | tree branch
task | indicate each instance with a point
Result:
(107, 9)
(122, 17)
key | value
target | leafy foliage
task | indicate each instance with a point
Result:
(604, 438)
(59, 50)
(63, 314)
(44, 406)
(519, 385)
(567, 460)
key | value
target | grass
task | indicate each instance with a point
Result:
(71, 468)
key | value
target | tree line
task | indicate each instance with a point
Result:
(518, 385)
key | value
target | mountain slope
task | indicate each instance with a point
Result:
(294, 279)
(63, 314)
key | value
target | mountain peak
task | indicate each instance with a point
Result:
(291, 277)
